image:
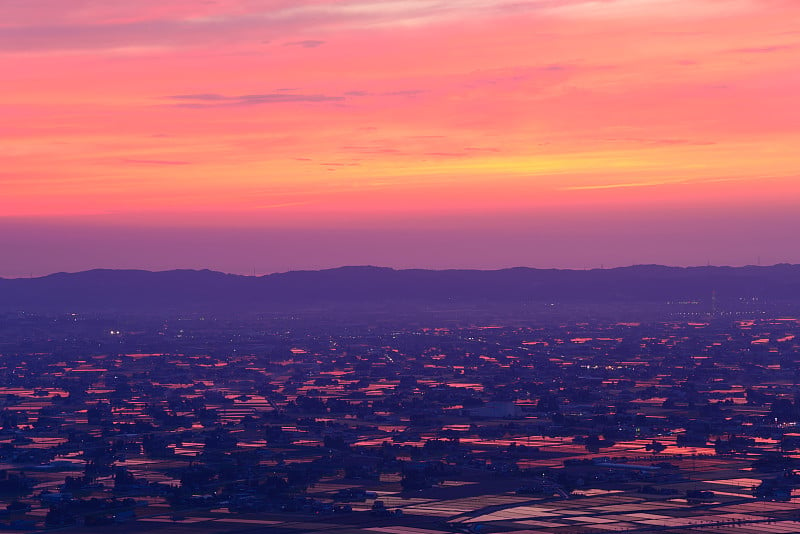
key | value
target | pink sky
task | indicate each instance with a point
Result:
(289, 134)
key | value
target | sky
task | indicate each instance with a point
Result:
(257, 136)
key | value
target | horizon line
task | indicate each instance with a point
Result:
(370, 266)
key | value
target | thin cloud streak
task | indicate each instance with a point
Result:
(616, 186)
(204, 100)
(193, 24)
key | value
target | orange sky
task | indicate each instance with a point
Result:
(349, 115)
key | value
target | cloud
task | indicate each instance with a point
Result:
(654, 183)
(399, 92)
(310, 43)
(208, 97)
(660, 142)
(406, 92)
(369, 149)
(55, 29)
(681, 9)
(202, 100)
(46, 25)
(446, 154)
(763, 49)
(618, 185)
(282, 205)
(155, 162)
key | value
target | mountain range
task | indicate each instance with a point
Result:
(204, 290)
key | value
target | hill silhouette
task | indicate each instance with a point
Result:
(203, 290)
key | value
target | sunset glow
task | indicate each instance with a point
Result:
(419, 133)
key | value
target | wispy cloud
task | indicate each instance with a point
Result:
(155, 162)
(309, 43)
(656, 183)
(764, 49)
(279, 96)
(399, 92)
(619, 185)
(659, 142)
(201, 100)
(40, 25)
(281, 205)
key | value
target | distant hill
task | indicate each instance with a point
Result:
(190, 290)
